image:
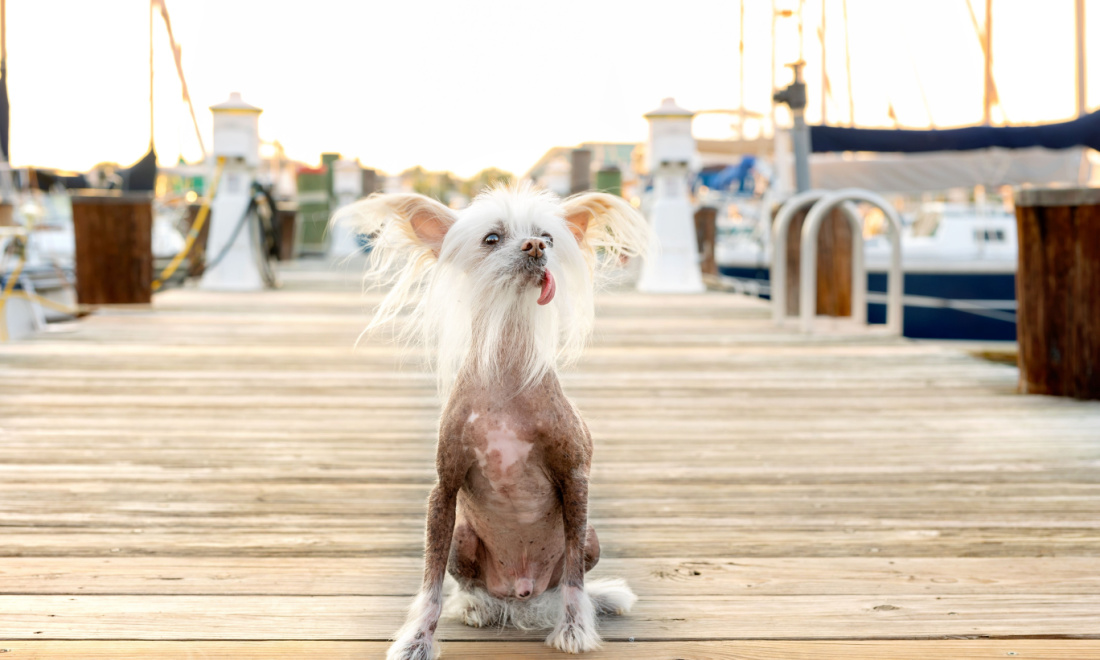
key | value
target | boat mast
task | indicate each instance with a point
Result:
(824, 71)
(848, 67)
(774, 88)
(987, 95)
(1082, 89)
(4, 78)
(801, 39)
(985, 40)
(151, 3)
(741, 63)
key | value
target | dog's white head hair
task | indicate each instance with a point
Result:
(476, 282)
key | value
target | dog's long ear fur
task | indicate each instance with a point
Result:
(407, 232)
(404, 221)
(607, 227)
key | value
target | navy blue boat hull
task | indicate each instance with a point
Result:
(929, 322)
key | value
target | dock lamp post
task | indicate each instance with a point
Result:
(672, 266)
(794, 96)
(237, 139)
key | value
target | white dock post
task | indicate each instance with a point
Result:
(672, 266)
(237, 138)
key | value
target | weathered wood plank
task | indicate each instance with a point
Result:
(645, 540)
(400, 576)
(665, 618)
(971, 649)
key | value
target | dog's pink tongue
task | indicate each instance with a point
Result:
(548, 288)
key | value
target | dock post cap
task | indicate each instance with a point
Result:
(235, 104)
(1056, 196)
(668, 108)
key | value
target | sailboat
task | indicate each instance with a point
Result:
(959, 259)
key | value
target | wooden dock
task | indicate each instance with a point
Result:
(224, 476)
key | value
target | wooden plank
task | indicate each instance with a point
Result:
(644, 540)
(317, 471)
(665, 618)
(970, 649)
(251, 503)
(708, 576)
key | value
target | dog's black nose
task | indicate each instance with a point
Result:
(534, 247)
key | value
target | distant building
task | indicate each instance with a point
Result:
(553, 169)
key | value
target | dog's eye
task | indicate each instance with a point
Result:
(492, 239)
(549, 240)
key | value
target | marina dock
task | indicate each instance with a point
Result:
(229, 476)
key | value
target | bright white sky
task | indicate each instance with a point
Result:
(466, 85)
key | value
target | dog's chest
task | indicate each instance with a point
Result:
(508, 479)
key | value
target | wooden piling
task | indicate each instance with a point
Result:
(580, 178)
(834, 265)
(286, 224)
(196, 259)
(706, 232)
(1058, 291)
(114, 247)
(370, 181)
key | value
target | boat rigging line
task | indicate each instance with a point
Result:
(177, 54)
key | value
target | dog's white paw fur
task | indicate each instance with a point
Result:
(574, 637)
(415, 640)
(476, 608)
(414, 646)
(610, 596)
(576, 631)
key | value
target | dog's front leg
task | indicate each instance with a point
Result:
(576, 632)
(416, 639)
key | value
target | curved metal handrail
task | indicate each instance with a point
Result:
(778, 275)
(807, 304)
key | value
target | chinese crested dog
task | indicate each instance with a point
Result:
(502, 293)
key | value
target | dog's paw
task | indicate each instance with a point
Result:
(420, 646)
(477, 616)
(475, 608)
(574, 637)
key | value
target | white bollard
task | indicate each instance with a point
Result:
(673, 265)
(237, 138)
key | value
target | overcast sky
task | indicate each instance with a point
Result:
(465, 85)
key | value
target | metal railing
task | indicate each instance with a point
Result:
(778, 276)
(821, 203)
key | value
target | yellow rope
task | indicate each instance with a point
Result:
(196, 227)
(7, 293)
(30, 297)
(51, 304)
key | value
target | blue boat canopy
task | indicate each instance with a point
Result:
(1081, 132)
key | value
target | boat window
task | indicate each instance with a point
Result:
(989, 235)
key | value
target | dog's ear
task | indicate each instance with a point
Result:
(414, 220)
(604, 222)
